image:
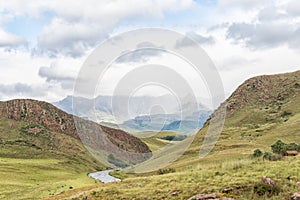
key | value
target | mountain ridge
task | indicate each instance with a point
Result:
(38, 113)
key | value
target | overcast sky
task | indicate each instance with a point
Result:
(43, 44)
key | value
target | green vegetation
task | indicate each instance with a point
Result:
(174, 137)
(266, 190)
(41, 177)
(166, 171)
(37, 163)
(271, 156)
(117, 162)
(257, 153)
(280, 147)
(260, 112)
(244, 176)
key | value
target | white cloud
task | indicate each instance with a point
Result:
(272, 28)
(293, 7)
(10, 40)
(83, 25)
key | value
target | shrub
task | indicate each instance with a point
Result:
(166, 171)
(262, 189)
(257, 153)
(174, 138)
(271, 156)
(293, 146)
(286, 113)
(279, 147)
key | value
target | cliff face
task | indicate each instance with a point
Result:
(41, 113)
(93, 135)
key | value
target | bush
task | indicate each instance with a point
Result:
(271, 156)
(280, 147)
(293, 146)
(286, 113)
(174, 138)
(257, 153)
(262, 189)
(166, 171)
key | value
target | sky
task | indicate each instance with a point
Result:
(43, 44)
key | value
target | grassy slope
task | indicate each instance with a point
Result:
(40, 151)
(255, 119)
(32, 167)
(153, 139)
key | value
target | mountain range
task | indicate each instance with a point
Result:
(42, 129)
(141, 115)
(45, 151)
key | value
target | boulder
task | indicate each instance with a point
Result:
(268, 181)
(296, 196)
(208, 197)
(203, 196)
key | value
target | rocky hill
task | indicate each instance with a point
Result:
(260, 111)
(40, 120)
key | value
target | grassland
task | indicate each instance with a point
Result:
(242, 175)
(39, 178)
(38, 165)
(260, 112)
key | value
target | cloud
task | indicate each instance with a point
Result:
(83, 25)
(186, 41)
(70, 39)
(244, 4)
(10, 40)
(274, 26)
(21, 90)
(56, 74)
(293, 7)
(260, 35)
(139, 56)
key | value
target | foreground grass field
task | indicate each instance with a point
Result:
(260, 112)
(241, 174)
(39, 178)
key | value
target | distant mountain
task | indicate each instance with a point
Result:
(170, 122)
(137, 113)
(33, 128)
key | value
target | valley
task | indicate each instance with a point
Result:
(39, 158)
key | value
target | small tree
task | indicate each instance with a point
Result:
(293, 146)
(257, 153)
(279, 147)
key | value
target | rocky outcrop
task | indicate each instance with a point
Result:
(296, 196)
(100, 138)
(208, 197)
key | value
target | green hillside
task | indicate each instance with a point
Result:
(261, 111)
(41, 153)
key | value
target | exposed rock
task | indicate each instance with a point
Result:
(208, 197)
(176, 192)
(203, 196)
(268, 181)
(296, 196)
(227, 190)
(117, 142)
